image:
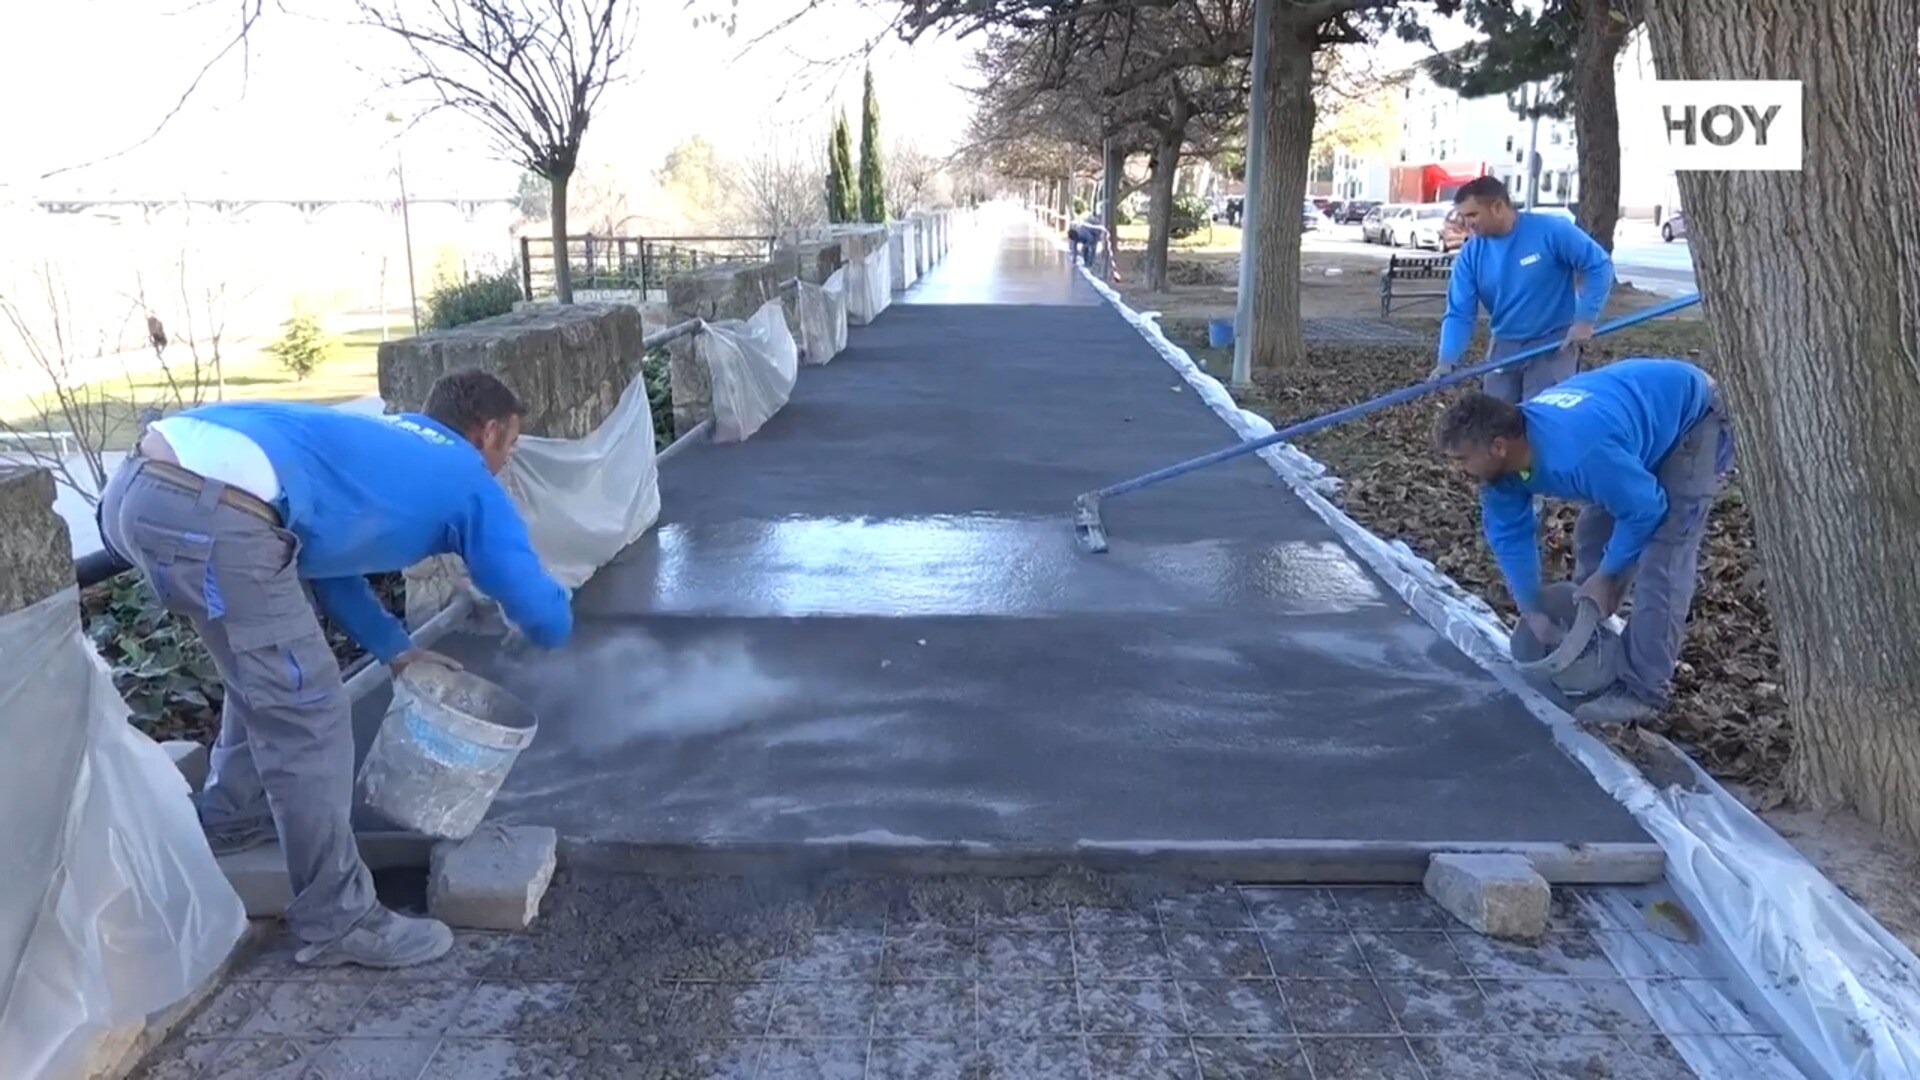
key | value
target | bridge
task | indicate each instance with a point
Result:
(859, 766)
(309, 208)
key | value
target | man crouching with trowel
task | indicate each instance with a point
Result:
(231, 511)
(1643, 446)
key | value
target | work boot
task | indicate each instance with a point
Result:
(382, 939)
(1617, 707)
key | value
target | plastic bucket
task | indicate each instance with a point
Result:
(447, 742)
(1219, 333)
(1575, 668)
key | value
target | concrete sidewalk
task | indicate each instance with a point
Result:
(870, 627)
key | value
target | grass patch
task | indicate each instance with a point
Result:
(1216, 236)
(350, 371)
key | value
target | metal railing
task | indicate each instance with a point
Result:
(632, 263)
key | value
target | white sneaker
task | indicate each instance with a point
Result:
(382, 939)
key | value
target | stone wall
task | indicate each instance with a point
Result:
(713, 293)
(568, 364)
(36, 557)
(810, 260)
(903, 235)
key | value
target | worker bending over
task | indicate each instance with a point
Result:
(232, 512)
(1643, 446)
(1522, 266)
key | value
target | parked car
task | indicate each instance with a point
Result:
(1675, 227)
(1421, 227)
(1321, 203)
(1311, 218)
(1354, 211)
(1377, 226)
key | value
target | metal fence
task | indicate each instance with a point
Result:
(631, 263)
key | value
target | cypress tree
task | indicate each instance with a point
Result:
(873, 198)
(843, 194)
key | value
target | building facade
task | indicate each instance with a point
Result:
(1440, 127)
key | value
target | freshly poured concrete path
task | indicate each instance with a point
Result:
(870, 623)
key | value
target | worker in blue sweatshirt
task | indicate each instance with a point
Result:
(1522, 266)
(1643, 445)
(232, 512)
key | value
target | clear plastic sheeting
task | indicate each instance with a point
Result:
(871, 284)
(585, 500)
(1843, 992)
(753, 364)
(111, 905)
(823, 318)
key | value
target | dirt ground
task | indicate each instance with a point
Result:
(1728, 710)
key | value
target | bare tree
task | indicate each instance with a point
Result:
(910, 173)
(775, 189)
(88, 394)
(530, 72)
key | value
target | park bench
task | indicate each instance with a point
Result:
(1413, 268)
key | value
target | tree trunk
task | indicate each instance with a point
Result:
(562, 262)
(1596, 116)
(1277, 342)
(1166, 161)
(1810, 289)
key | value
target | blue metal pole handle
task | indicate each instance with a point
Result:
(1384, 401)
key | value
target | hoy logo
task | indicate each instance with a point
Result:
(1727, 125)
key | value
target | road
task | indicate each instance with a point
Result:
(1639, 255)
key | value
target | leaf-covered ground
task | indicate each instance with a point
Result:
(1727, 705)
(159, 665)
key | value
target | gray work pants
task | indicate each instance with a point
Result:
(286, 732)
(1664, 577)
(1518, 384)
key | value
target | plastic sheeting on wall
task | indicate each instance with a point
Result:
(112, 906)
(1841, 989)
(753, 363)
(823, 318)
(586, 499)
(871, 284)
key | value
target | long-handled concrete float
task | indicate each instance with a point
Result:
(1092, 532)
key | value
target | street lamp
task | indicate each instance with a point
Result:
(406, 222)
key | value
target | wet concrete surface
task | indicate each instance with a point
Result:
(1016, 268)
(871, 622)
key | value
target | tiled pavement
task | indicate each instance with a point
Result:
(1215, 983)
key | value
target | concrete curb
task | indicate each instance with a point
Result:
(1290, 862)
(120, 1051)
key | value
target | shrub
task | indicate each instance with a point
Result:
(470, 301)
(1190, 214)
(303, 345)
(1079, 206)
(1122, 215)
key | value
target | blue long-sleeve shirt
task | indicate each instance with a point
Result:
(1597, 437)
(369, 494)
(1525, 280)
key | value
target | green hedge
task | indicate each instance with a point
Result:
(470, 301)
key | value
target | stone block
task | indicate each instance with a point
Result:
(259, 875)
(903, 236)
(494, 879)
(567, 363)
(36, 555)
(1501, 896)
(714, 293)
(191, 759)
(809, 260)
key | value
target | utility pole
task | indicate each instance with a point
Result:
(406, 226)
(1250, 200)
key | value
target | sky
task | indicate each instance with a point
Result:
(300, 114)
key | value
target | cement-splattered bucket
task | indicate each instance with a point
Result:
(444, 747)
(1585, 662)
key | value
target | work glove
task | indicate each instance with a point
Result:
(1440, 371)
